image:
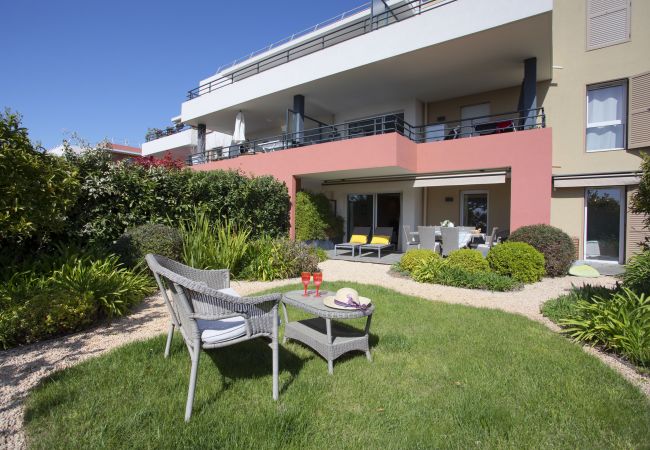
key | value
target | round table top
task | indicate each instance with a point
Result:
(314, 305)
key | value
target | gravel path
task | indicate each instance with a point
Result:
(22, 368)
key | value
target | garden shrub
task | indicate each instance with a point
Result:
(556, 246)
(314, 218)
(637, 273)
(619, 323)
(412, 258)
(214, 244)
(154, 238)
(468, 260)
(517, 260)
(564, 306)
(456, 276)
(81, 291)
(426, 270)
(271, 259)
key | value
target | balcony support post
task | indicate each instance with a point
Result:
(528, 95)
(298, 117)
(200, 140)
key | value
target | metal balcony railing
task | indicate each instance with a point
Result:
(389, 123)
(157, 133)
(396, 13)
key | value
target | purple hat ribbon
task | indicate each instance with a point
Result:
(351, 303)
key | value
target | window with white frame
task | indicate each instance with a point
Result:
(606, 116)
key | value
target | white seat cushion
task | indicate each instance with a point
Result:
(230, 291)
(214, 331)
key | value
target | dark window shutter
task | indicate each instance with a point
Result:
(608, 22)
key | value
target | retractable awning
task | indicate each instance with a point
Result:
(596, 179)
(461, 179)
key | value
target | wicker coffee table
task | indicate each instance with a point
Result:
(327, 339)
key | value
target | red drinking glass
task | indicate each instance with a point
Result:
(318, 279)
(305, 276)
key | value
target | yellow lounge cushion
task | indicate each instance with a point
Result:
(358, 239)
(379, 239)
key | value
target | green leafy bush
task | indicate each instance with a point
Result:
(426, 270)
(413, 258)
(320, 253)
(637, 273)
(314, 218)
(556, 246)
(214, 244)
(271, 259)
(155, 238)
(438, 271)
(620, 323)
(116, 197)
(517, 260)
(81, 291)
(468, 260)
(564, 306)
(37, 188)
(459, 277)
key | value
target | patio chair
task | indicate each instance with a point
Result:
(211, 315)
(428, 238)
(380, 241)
(358, 238)
(411, 239)
(490, 241)
(450, 238)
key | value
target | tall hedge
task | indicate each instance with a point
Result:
(37, 189)
(115, 197)
(315, 219)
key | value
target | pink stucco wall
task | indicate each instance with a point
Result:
(526, 153)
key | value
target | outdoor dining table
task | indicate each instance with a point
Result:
(330, 340)
(465, 238)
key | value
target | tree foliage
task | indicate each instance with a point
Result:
(36, 189)
(315, 219)
(641, 198)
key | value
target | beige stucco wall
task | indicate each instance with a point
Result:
(567, 212)
(565, 103)
(498, 204)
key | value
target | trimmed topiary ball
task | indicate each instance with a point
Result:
(469, 260)
(517, 260)
(155, 238)
(411, 259)
(556, 246)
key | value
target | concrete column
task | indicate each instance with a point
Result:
(298, 116)
(528, 95)
(200, 142)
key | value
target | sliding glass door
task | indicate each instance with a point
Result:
(375, 210)
(604, 209)
(474, 212)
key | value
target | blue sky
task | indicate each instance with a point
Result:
(112, 69)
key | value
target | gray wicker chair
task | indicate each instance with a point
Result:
(208, 318)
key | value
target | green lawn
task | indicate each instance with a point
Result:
(443, 376)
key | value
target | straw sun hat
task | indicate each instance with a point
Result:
(346, 298)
